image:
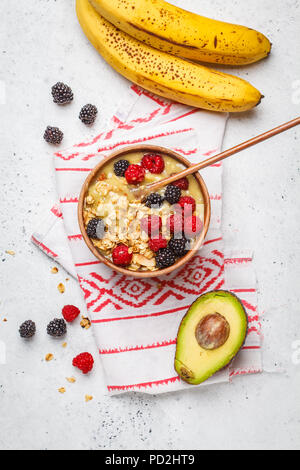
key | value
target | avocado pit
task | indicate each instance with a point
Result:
(212, 331)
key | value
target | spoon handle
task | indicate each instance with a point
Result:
(221, 156)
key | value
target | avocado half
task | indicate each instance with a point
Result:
(210, 336)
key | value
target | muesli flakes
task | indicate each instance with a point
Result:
(61, 288)
(85, 323)
(10, 252)
(71, 380)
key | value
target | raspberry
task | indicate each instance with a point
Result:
(192, 226)
(151, 224)
(153, 163)
(135, 174)
(175, 223)
(121, 255)
(188, 204)
(165, 258)
(155, 244)
(84, 362)
(183, 184)
(70, 313)
(172, 194)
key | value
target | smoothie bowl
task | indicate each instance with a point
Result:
(143, 238)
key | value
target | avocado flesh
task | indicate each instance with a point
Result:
(195, 364)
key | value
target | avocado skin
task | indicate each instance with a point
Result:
(190, 377)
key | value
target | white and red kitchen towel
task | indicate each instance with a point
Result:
(135, 322)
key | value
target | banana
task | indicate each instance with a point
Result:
(164, 74)
(185, 34)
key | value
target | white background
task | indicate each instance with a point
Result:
(41, 43)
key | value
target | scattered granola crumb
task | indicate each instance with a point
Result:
(67, 279)
(62, 390)
(88, 398)
(49, 357)
(54, 270)
(5, 319)
(85, 323)
(61, 288)
(71, 380)
(10, 252)
(64, 345)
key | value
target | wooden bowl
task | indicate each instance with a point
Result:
(122, 153)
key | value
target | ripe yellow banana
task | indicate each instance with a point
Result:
(185, 34)
(164, 74)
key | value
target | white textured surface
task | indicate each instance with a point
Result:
(41, 43)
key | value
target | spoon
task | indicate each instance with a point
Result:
(142, 192)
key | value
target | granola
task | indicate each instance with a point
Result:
(71, 380)
(85, 323)
(109, 198)
(61, 288)
(10, 252)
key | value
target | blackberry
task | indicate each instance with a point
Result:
(53, 135)
(27, 329)
(62, 94)
(120, 167)
(178, 246)
(172, 194)
(57, 328)
(154, 199)
(95, 229)
(88, 114)
(165, 258)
